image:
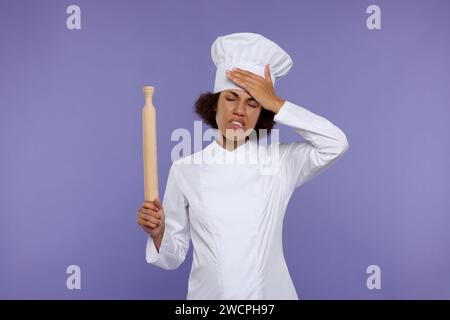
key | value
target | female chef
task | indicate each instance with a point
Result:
(233, 212)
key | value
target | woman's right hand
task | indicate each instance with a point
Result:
(151, 218)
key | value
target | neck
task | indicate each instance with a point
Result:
(231, 145)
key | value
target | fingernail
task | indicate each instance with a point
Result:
(234, 69)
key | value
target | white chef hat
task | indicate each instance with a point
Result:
(247, 51)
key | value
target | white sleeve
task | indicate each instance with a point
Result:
(325, 143)
(176, 237)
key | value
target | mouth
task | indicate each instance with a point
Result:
(237, 124)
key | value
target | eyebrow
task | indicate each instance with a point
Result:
(236, 95)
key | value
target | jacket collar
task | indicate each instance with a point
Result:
(246, 153)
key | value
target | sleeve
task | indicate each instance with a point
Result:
(176, 237)
(325, 143)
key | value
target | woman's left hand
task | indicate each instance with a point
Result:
(261, 89)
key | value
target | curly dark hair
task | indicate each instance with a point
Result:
(207, 103)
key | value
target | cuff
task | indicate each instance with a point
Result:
(293, 115)
(152, 254)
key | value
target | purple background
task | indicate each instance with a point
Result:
(71, 172)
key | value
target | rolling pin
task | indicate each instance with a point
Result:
(149, 146)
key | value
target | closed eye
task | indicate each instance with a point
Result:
(251, 105)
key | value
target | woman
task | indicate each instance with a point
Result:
(233, 213)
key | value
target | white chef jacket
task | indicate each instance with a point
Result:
(233, 212)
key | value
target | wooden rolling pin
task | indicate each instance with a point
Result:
(149, 146)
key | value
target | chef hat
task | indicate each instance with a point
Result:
(247, 51)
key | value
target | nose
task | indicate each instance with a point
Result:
(239, 108)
